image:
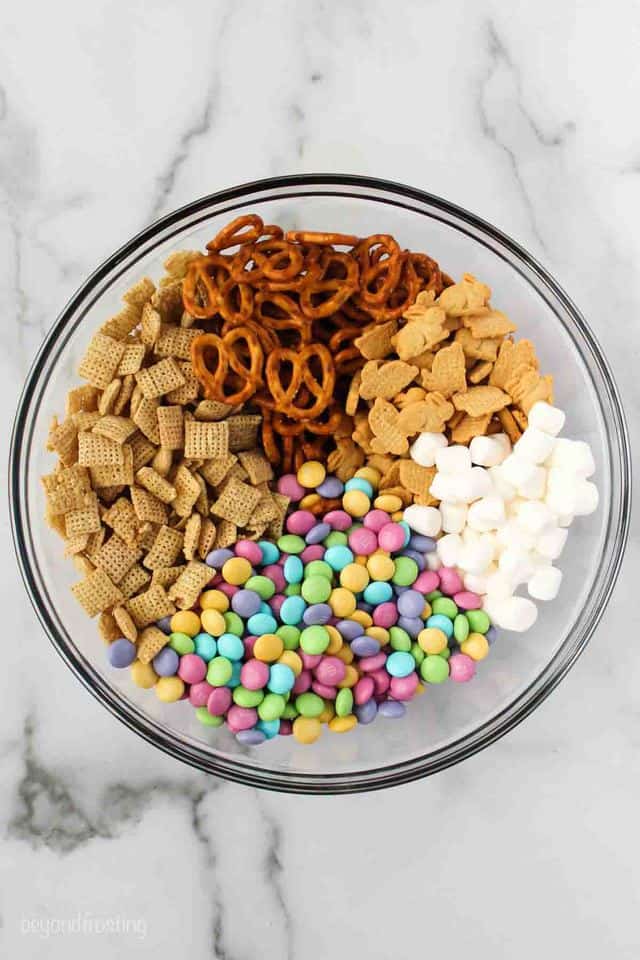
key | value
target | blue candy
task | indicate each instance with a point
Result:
(440, 622)
(400, 664)
(293, 570)
(407, 532)
(261, 623)
(270, 553)
(292, 610)
(230, 646)
(359, 483)
(205, 646)
(281, 678)
(338, 557)
(378, 591)
(270, 728)
(235, 675)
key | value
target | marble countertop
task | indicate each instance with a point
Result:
(112, 114)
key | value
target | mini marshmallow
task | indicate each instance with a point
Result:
(454, 517)
(499, 586)
(515, 563)
(534, 486)
(444, 487)
(486, 514)
(490, 451)
(500, 484)
(513, 613)
(516, 470)
(551, 542)
(453, 459)
(476, 557)
(565, 519)
(574, 456)
(424, 520)
(560, 498)
(477, 582)
(424, 448)
(545, 583)
(513, 535)
(481, 485)
(534, 445)
(433, 561)
(449, 548)
(544, 417)
(534, 516)
(586, 498)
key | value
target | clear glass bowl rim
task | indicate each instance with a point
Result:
(241, 770)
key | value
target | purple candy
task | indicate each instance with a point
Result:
(245, 603)
(218, 557)
(366, 713)
(398, 589)
(410, 604)
(365, 646)
(392, 709)
(491, 635)
(331, 488)
(349, 629)
(166, 662)
(121, 653)
(164, 624)
(250, 738)
(418, 557)
(421, 543)
(413, 625)
(317, 613)
(363, 605)
(318, 533)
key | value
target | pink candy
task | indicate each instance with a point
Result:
(241, 718)
(286, 728)
(382, 681)
(461, 667)
(323, 690)
(199, 693)
(249, 644)
(467, 600)
(376, 519)
(369, 664)
(391, 537)
(330, 670)
(450, 581)
(403, 688)
(426, 581)
(254, 674)
(275, 574)
(315, 551)
(192, 668)
(338, 519)
(363, 690)
(303, 682)
(363, 541)
(250, 551)
(309, 660)
(288, 486)
(300, 522)
(227, 588)
(219, 701)
(385, 614)
(276, 602)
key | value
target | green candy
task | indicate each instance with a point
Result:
(399, 639)
(316, 589)
(264, 587)
(445, 654)
(478, 621)
(181, 643)
(247, 698)
(417, 653)
(271, 707)
(406, 571)
(434, 595)
(318, 568)
(461, 628)
(206, 719)
(233, 623)
(309, 704)
(335, 539)
(291, 543)
(293, 590)
(434, 669)
(289, 712)
(445, 606)
(314, 640)
(219, 671)
(344, 702)
(290, 636)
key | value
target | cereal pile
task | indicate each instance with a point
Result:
(301, 484)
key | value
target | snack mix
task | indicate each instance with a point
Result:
(306, 477)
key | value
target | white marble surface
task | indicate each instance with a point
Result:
(113, 113)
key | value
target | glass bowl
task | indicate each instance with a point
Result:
(452, 721)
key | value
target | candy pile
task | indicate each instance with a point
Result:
(335, 622)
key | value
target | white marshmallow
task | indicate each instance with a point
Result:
(499, 586)
(545, 583)
(515, 563)
(486, 514)
(544, 417)
(551, 542)
(476, 557)
(534, 516)
(513, 613)
(433, 561)
(477, 582)
(500, 484)
(513, 535)
(587, 498)
(454, 517)
(453, 459)
(424, 520)
(538, 561)
(449, 548)
(490, 451)
(534, 487)
(561, 493)
(444, 487)
(423, 449)
(516, 470)
(574, 456)
(564, 519)
(534, 445)
(481, 485)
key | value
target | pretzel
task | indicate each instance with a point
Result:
(227, 359)
(321, 239)
(324, 280)
(200, 293)
(279, 311)
(380, 267)
(301, 373)
(246, 229)
(278, 260)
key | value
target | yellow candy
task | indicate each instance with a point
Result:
(309, 501)
(350, 678)
(432, 640)
(426, 611)
(356, 503)
(306, 729)
(291, 658)
(335, 639)
(362, 561)
(475, 646)
(379, 634)
(398, 515)
(370, 474)
(388, 502)
(143, 675)
(311, 474)
(342, 602)
(214, 600)
(361, 617)
(380, 566)
(345, 653)
(420, 689)
(237, 571)
(268, 648)
(213, 622)
(343, 724)
(185, 621)
(354, 577)
(328, 713)
(169, 689)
